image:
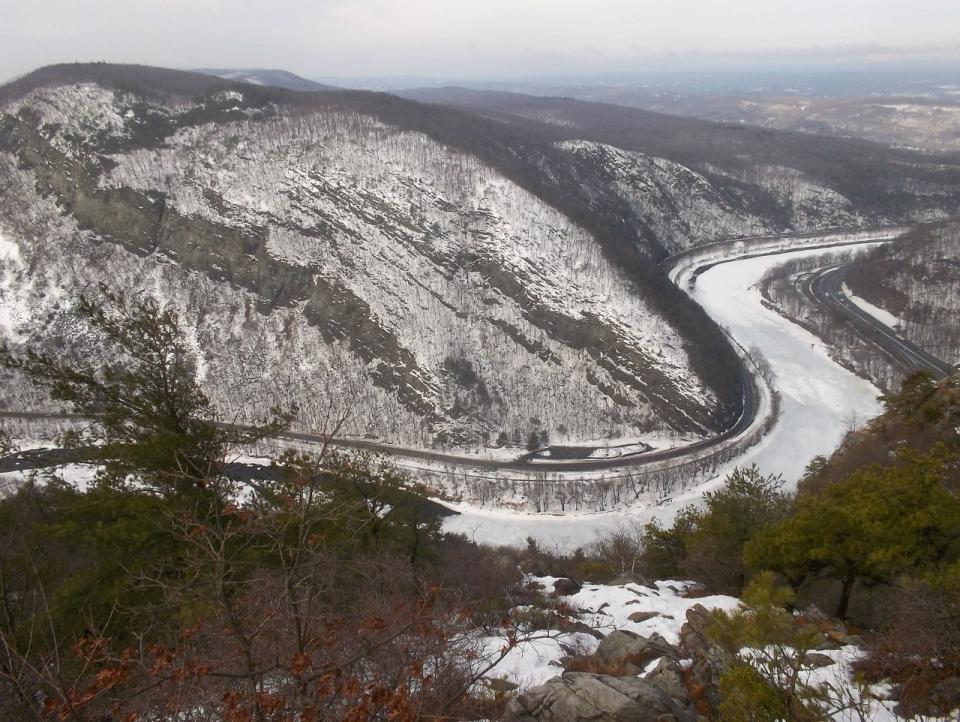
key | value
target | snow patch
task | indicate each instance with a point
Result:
(882, 315)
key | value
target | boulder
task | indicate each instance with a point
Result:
(631, 578)
(815, 660)
(583, 697)
(710, 660)
(501, 685)
(668, 677)
(632, 650)
(575, 626)
(565, 587)
(695, 591)
(642, 616)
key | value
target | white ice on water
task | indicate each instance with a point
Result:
(820, 402)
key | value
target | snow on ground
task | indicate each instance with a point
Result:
(605, 608)
(12, 311)
(534, 662)
(840, 676)
(609, 607)
(882, 315)
(82, 475)
(79, 475)
(820, 401)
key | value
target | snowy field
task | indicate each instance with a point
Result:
(820, 402)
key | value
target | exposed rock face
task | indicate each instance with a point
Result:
(582, 697)
(632, 651)
(566, 587)
(667, 677)
(709, 659)
(331, 248)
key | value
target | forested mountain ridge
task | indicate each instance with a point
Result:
(722, 180)
(918, 281)
(459, 278)
(266, 76)
(348, 245)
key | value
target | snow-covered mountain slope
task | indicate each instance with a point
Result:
(685, 208)
(690, 181)
(321, 250)
(916, 284)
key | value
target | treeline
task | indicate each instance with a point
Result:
(872, 537)
(784, 288)
(917, 279)
(168, 590)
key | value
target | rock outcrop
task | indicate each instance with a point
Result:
(633, 652)
(709, 659)
(584, 697)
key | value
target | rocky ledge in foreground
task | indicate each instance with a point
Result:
(576, 696)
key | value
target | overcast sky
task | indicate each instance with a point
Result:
(477, 39)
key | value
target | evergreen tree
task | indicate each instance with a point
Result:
(151, 418)
(533, 441)
(877, 524)
(706, 543)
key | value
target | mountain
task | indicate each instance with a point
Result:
(451, 275)
(917, 281)
(721, 180)
(343, 247)
(264, 76)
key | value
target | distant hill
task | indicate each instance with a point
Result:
(808, 180)
(265, 76)
(925, 116)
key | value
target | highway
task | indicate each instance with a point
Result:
(468, 466)
(825, 287)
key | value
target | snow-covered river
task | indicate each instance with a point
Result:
(820, 402)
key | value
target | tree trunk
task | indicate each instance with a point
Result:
(845, 592)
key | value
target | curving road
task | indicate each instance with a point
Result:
(826, 288)
(471, 466)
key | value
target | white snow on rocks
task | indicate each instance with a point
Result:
(605, 608)
(608, 607)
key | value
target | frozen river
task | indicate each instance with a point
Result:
(820, 402)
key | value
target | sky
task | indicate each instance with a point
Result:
(486, 39)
